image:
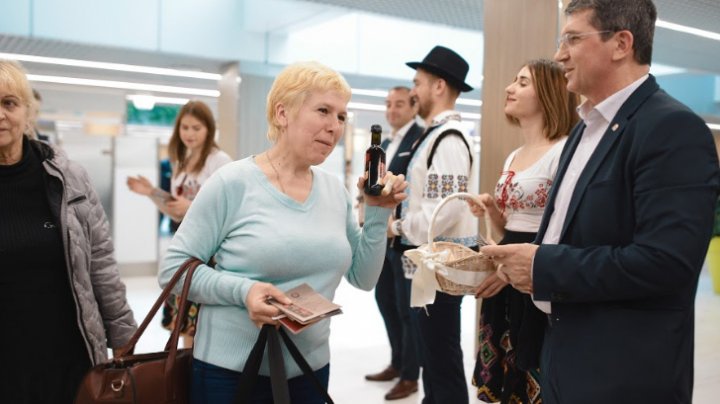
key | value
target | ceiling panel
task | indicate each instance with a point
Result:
(688, 51)
(74, 50)
(467, 14)
(672, 48)
(702, 14)
(685, 50)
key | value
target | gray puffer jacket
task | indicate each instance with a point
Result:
(103, 313)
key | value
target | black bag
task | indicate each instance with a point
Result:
(278, 379)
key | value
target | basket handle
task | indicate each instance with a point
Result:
(449, 198)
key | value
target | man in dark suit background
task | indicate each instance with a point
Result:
(392, 292)
(627, 223)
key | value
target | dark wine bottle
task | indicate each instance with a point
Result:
(374, 162)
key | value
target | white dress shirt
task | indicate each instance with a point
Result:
(395, 140)
(596, 120)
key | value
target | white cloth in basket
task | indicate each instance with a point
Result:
(424, 281)
(430, 261)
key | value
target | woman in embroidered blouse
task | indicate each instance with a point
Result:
(272, 222)
(511, 327)
(194, 156)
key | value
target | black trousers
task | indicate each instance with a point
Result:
(549, 387)
(392, 294)
(441, 354)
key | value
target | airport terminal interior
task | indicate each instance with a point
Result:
(113, 75)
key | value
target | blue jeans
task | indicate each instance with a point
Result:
(215, 385)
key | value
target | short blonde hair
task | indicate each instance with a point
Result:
(14, 80)
(294, 84)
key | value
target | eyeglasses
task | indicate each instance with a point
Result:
(572, 38)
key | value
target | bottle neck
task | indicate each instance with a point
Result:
(375, 139)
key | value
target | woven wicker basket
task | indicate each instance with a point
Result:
(470, 265)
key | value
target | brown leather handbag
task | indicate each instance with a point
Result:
(152, 378)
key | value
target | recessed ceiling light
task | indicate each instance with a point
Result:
(147, 101)
(125, 85)
(112, 66)
(688, 30)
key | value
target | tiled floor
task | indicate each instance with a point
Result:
(359, 345)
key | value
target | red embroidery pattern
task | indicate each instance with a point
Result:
(509, 194)
(503, 190)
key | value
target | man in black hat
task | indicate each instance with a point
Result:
(441, 164)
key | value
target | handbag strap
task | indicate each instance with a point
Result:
(302, 363)
(252, 366)
(188, 266)
(278, 379)
(172, 345)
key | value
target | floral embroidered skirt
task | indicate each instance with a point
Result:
(170, 315)
(511, 335)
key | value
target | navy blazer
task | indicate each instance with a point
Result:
(623, 278)
(401, 159)
(399, 165)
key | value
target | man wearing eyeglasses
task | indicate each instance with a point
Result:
(627, 223)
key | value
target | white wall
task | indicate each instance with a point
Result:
(135, 224)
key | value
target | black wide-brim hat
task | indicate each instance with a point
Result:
(446, 64)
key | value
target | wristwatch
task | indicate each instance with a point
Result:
(397, 227)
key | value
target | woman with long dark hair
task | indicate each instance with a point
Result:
(194, 157)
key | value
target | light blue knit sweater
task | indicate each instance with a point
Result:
(257, 233)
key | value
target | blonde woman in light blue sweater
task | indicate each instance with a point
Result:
(272, 222)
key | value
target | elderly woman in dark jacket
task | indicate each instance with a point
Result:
(61, 299)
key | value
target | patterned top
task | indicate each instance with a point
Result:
(188, 184)
(522, 195)
(451, 171)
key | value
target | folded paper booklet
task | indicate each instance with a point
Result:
(307, 307)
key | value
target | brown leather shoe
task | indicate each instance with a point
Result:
(402, 389)
(387, 374)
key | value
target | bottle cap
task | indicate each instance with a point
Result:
(376, 129)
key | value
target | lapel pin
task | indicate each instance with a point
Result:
(615, 127)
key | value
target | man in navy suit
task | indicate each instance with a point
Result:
(627, 224)
(392, 292)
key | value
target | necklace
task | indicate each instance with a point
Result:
(277, 173)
